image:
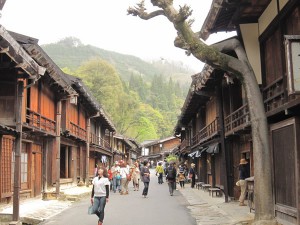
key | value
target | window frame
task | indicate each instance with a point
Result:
(288, 40)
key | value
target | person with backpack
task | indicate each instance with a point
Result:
(171, 177)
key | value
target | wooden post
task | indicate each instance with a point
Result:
(17, 172)
(57, 139)
(45, 165)
(88, 128)
(222, 139)
(81, 163)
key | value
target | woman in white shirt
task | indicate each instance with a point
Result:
(100, 194)
(124, 171)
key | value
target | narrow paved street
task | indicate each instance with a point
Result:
(132, 209)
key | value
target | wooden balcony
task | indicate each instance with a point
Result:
(98, 141)
(206, 133)
(184, 144)
(37, 121)
(77, 131)
(237, 121)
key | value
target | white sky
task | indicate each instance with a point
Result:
(105, 24)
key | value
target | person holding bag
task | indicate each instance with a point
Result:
(145, 173)
(100, 194)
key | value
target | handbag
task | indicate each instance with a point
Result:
(190, 175)
(90, 210)
(128, 177)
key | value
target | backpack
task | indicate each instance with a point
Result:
(171, 173)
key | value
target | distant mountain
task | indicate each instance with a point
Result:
(71, 53)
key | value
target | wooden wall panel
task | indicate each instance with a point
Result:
(73, 113)
(7, 102)
(6, 166)
(36, 168)
(47, 102)
(34, 98)
(82, 119)
(211, 111)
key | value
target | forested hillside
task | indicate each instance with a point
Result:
(143, 99)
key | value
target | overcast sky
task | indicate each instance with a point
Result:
(105, 24)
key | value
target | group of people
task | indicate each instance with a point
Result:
(116, 179)
(175, 175)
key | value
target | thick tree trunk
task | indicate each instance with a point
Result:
(264, 205)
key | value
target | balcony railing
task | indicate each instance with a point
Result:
(206, 133)
(274, 95)
(97, 140)
(237, 120)
(184, 144)
(40, 122)
(77, 131)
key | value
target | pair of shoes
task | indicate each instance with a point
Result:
(171, 194)
(242, 204)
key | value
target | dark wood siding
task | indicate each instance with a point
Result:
(7, 102)
(36, 168)
(6, 166)
(273, 57)
(292, 22)
(284, 163)
(285, 167)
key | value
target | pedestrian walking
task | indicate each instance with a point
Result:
(145, 173)
(243, 174)
(181, 176)
(124, 171)
(100, 194)
(136, 176)
(171, 177)
(192, 175)
(110, 177)
(159, 172)
(115, 169)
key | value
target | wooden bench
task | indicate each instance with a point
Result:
(218, 190)
(199, 184)
(205, 187)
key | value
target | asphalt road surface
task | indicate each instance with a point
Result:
(159, 208)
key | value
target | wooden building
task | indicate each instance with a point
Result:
(158, 150)
(18, 70)
(270, 33)
(124, 148)
(49, 122)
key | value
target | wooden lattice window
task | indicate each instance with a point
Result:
(24, 166)
(6, 169)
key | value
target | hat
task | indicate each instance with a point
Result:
(243, 161)
(193, 164)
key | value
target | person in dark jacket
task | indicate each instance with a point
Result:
(243, 174)
(192, 175)
(171, 177)
(145, 174)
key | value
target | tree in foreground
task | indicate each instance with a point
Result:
(240, 67)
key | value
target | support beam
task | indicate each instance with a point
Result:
(88, 130)
(57, 139)
(18, 147)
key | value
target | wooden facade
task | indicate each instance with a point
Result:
(158, 150)
(57, 137)
(270, 33)
(124, 148)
